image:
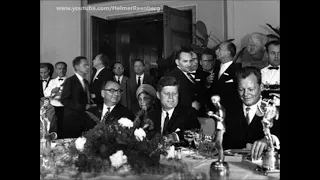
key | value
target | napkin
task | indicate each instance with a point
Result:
(170, 152)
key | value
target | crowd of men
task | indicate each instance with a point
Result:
(184, 93)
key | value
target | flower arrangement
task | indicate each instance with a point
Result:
(121, 146)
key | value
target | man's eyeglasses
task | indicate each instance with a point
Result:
(112, 91)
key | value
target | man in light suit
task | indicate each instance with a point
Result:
(75, 98)
(224, 83)
(243, 121)
(100, 63)
(118, 77)
(173, 117)
(134, 82)
(111, 110)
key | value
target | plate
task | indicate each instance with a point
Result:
(234, 152)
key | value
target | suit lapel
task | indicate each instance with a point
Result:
(174, 117)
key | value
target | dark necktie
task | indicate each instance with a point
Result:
(86, 87)
(118, 80)
(105, 115)
(60, 79)
(191, 78)
(166, 120)
(247, 115)
(272, 67)
(139, 81)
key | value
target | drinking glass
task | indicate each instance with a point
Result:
(188, 135)
(207, 141)
(197, 139)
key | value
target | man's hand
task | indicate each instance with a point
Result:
(55, 90)
(210, 78)
(88, 106)
(196, 105)
(93, 96)
(257, 148)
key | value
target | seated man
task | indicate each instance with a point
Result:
(111, 110)
(172, 117)
(243, 122)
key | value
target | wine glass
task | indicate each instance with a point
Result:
(188, 135)
(207, 141)
(198, 133)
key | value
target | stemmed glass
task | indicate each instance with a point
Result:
(207, 141)
(188, 135)
(198, 134)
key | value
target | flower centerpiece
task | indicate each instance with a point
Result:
(121, 146)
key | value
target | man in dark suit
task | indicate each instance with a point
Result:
(75, 98)
(224, 83)
(102, 74)
(45, 77)
(173, 117)
(134, 82)
(118, 77)
(243, 122)
(187, 82)
(111, 110)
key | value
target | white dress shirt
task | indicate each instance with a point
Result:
(97, 73)
(141, 78)
(186, 74)
(44, 83)
(120, 78)
(164, 115)
(270, 76)
(105, 110)
(53, 84)
(252, 111)
(224, 67)
(81, 81)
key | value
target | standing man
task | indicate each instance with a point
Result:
(100, 63)
(76, 99)
(111, 110)
(118, 77)
(173, 117)
(134, 82)
(271, 73)
(224, 83)
(186, 79)
(45, 78)
(54, 91)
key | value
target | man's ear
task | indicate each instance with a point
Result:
(102, 93)
(177, 62)
(261, 87)
(158, 95)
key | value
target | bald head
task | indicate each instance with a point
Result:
(256, 43)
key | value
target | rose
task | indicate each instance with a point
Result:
(140, 134)
(118, 159)
(125, 122)
(80, 143)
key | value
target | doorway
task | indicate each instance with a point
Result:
(151, 38)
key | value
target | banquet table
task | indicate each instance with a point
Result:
(240, 168)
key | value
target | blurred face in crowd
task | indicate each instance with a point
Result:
(274, 55)
(83, 67)
(254, 46)
(168, 97)
(138, 67)
(249, 90)
(145, 100)
(61, 70)
(194, 65)
(222, 52)
(111, 93)
(96, 62)
(184, 61)
(206, 62)
(118, 69)
(44, 72)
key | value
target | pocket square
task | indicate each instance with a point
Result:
(177, 130)
(226, 74)
(229, 81)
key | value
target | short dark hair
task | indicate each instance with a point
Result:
(44, 65)
(273, 36)
(232, 48)
(104, 59)
(77, 60)
(118, 62)
(246, 71)
(135, 60)
(275, 43)
(183, 49)
(104, 83)
(61, 62)
(49, 66)
(167, 81)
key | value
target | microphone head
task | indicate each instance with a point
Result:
(215, 99)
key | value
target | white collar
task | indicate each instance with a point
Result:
(100, 70)
(227, 64)
(79, 77)
(64, 77)
(105, 109)
(141, 76)
(272, 66)
(170, 112)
